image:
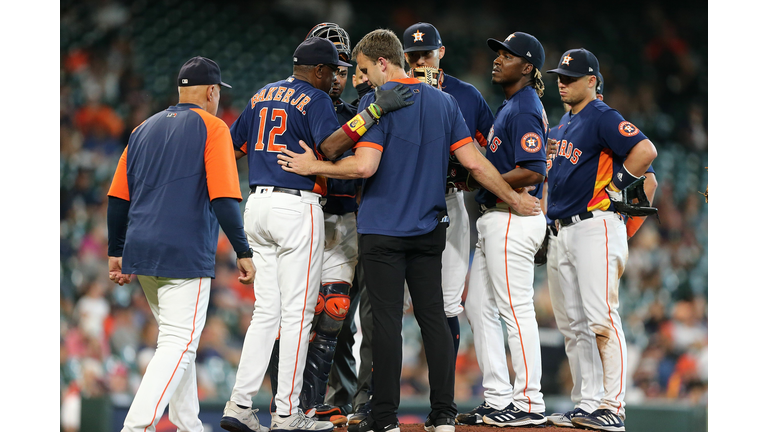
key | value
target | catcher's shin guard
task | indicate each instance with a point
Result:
(331, 310)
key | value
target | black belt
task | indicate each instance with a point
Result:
(573, 219)
(279, 189)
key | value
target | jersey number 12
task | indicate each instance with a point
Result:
(276, 131)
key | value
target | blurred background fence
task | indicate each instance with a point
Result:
(119, 62)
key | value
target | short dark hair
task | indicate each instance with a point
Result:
(381, 43)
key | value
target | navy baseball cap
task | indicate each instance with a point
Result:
(577, 63)
(200, 71)
(522, 45)
(600, 83)
(315, 51)
(421, 37)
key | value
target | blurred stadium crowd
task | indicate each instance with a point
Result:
(119, 62)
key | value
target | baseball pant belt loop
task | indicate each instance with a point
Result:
(279, 189)
(573, 219)
(450, 190)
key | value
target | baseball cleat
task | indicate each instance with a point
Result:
(564, 419)
(367, 426)
(512, 416)
(300, 422)
(442, 424)
(602, 419)
(475, 417)
(238, 419)
(360, 414)
(330, 413)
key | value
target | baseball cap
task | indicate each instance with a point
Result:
(421, 37)
(522, 45)
(315, 51)
(200, 71)
(577, 63)
(600, 83)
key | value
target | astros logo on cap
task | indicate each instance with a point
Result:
(509, 37)
(567, 60)
(531, 142)
(417, 36)
(628, 129)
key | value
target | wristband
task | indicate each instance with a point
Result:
(360, 123)
(623, 178)
(245, 254)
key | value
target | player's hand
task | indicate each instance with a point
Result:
(613, 193)
(393, 99)
(551, 148)
(247, 270)
(116, 271)
(297, 163)
(528, 205)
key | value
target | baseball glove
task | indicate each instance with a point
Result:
(458, 176)
(633, 201)
(541, 255)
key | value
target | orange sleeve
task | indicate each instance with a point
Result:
(480, 139)
(369, 144)
(220, 163)
(461, 143)
(119, 187)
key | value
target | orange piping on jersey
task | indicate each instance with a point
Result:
(461, 143)
(303, 311)
(618, 340)
(134, 129)
(509, 293)
(220, 162)
(119, 187)
(406, 81)
(191, 338)
(369, 144)
(321, 185)
(480, 139)
(600, 200)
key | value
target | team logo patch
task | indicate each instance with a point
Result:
(567, 60)
(417, 37)
(531, 142)
(628, 129)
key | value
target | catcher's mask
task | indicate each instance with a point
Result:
(335, 34)
(428, 75)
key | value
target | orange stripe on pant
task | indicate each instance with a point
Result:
(519, 334)
(607, 285)
(191, 338)
(303, 311)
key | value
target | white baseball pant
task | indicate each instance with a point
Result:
(340, 253)
(591, 259)
(585, 397)
(455, 256)
(286, 233)
(501, 284)
(179, 306)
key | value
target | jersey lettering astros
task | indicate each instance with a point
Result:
(591, 147)
(518, 138)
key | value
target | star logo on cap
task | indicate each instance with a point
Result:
(509, 37)
(567, 60)
(417, 37)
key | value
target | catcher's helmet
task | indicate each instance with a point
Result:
(334, 33)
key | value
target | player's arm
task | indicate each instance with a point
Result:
(362, 164)
(521, 177)
(640, 158)
(385, 101)
(649, 187)
(117, 220)
(488, 176)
